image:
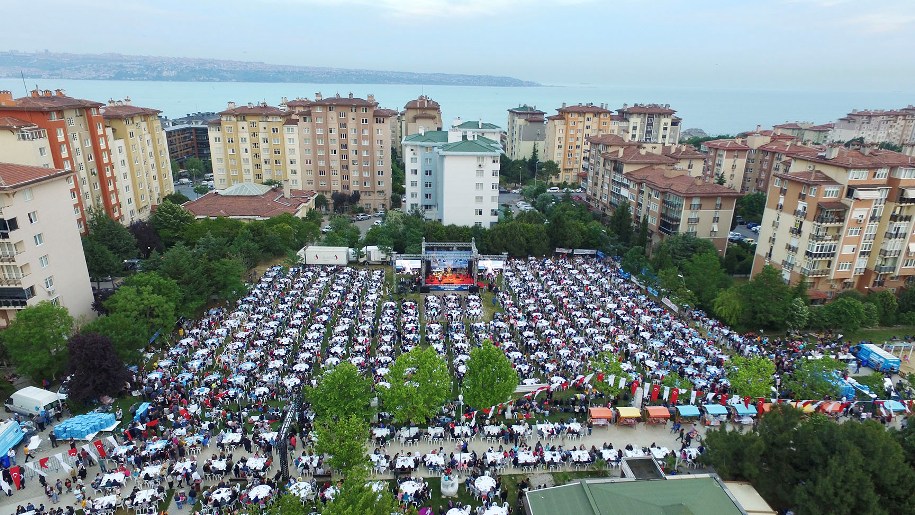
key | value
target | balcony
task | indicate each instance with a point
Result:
(829, 220)
(8, 257)
(895, 235)
(885, 269)
(796, 230)
(824, 237)
(802, 196)
(800, 213)
(695, 207)
(787, 266)
(693, 220)
(820, 254)
(890, 253)
(11, 280)
(815, 272)
(791, 248)
(898, 217)
(874, 218)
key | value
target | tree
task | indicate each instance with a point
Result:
(733, 454)
(677, 249)
(176, 198)
(126, 335)
(344, 439)
(97, 370)
(751, 377)
(814, 378)
(608, 364)
(148, 299)
(114, 236)
(147, 238)
(634, 261)
(674, 286)
(357, 496)
(728, 306)
(845, 313)
(194, 167)
(170, 220)
(548, 170)
(37, 340)
(490, 377)
(751, 206)
(201, 189)
(420, 385)
(887, 306)
(342, 391)
(620, 224)
(100, 261)
(320, 201)
(704, 276)
(642, 238)
(799, 314)
(766, 301)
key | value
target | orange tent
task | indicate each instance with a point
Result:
(600, 413)
(657, 412)
(831, 407)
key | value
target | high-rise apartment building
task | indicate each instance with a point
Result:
(840, 218)
(896, 126)
(420, 113)
(140, 154)
(651, 123)
(247, 145)
(77, 142)
(188, 136)
(40, 248)
(805, 132)
(567, 134)
(344, 145)
(526, 130)
(24, 143)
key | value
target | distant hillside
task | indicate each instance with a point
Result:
(49, 65)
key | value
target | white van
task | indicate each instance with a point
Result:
(184, 181)
(31, 400)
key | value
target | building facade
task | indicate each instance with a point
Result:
(567, 134)
(77, 143)
(805, 132)
(651, 123)
(896, 126)
(421, 113)
(41, 254)
(841, 218)
(526, 130)
(189, 136)
(24, 143)
(247, 145)
(141, 158)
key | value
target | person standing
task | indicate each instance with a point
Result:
(11, 454)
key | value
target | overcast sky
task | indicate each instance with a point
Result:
(846, 45)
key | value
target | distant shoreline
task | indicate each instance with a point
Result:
(521, 84)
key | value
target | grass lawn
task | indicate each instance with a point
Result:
(879, 335)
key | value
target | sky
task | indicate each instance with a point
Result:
(843, 45)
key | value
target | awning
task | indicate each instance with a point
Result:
(688, 411)
(744, 411)
(806, 409)
(658, 412)
(600, 413)
(894, 406)
(831, 407)
(629, 412)
(715, 409)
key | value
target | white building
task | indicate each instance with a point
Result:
(453, 176)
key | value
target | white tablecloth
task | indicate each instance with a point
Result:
(405, 462)
(552, 457)
(259, 492)
(183, 466)
(150, 472)
(580, 456)
(526, 458)
(222, 494)
(144, 496)
(218, 465)
(257, 463)
(231, 438)
(381, 432)
(115, 478)
(434, 459)
(458, 511)
(494, 457)
(496, 510)
(485, 484)
(659, 452)
(410, 487)
(301, 489)
(109, 501)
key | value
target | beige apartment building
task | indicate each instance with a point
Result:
(526, 130)
(805, 132)
(140, 155)
(24, 143)
(651, 123)
(567, 134)
(344, 145)
(895, 126)
(841, 218)
(421, 113)
(41, 254)
(247, 145)
(769, 158)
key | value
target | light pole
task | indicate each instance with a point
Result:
(461, 407)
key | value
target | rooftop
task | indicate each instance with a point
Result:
(253, 109)
(45, 100)
(610, 139)
(422, 102)
(682, 152)
(525, 109)
(469, 146)
(677, 182)
(646, 109)
(248, 200)
(860, 157)
(14, 176)
(428, 137)
(698, 495)
(384, 113)
(726, 144)
(475, 124)
(807, 177)
(9, 122)
(336, 100)
(638, 155)
(583, 108)
(123, 109)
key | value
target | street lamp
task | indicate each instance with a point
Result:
(461, 407)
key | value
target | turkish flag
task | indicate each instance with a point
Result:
(600, 377)
(674, 393)
(100, 448)
(634, 387)
(759, 405)
(724, 399)
(746, 402)
(16, 472)
(152, 423)
(72, 452)
(43, 462)
(655, 390)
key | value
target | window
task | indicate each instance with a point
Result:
(857, 175)
(478, 212)
(908, 263)
(49, 283)
(845, 266)
(478, 199)
(27, 194)
(39, 239)
(831, 192)
(854, 231)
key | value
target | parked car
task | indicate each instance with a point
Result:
(379, 214)
(735, 236)
(325, 229)
(755, 229)
(751, 225)
(554, 189)
(377, 223)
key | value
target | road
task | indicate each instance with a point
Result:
(746, 233)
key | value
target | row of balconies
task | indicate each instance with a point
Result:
(824, 237)
(890, 235)
(814, 272)
(820, 254)
(897, 217)
(889, 253)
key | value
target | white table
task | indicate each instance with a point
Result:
(580, 456)
(114, 478)
(635, 453)
(301, 489)
(183, 466)
(218, 465)
(259, 492)
(222, 494)
(496, 510)
(109, 501)
(462, 431)
(526, 458)
(485, 484)
(257, 463)
(231, 438)
(609, 454)
(574, 427)
(410, 487)
(434, 459)
(144, 496)
(436, 431)
(405, 462)
(151, 472)
(552, 457)
(493, 458)
(459, 511)
(381, 432)
(659, 452)
(492, 430)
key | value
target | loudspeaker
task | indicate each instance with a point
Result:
(424, 289)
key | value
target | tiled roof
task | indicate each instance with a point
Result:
(423, 102)
(646, 109)
(14, 176)
(257, 109)
(469, 147)
(638, 155)
(726, 144)
(427, 137)
(431, 116)
(384, 113)
(580, 108)
(525, 109)
(269, 204)
(52, 102)
(474, 124)
(783, 145)
(854, 158)
(126, 111)
(9, 122)
(821, 128)
(807, 177)
(556, 117)
(681, 184)
(609, 139)
(787, 126)
(332, 101)
(682, 152)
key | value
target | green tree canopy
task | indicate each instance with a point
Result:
(812, 378)
(751, 377)
(142, 302)
(766, 301)
(608, 364)
(357, 496)
(100, 261)
(342, 391)
(344, 439)
(114, 236)
(490, 377)
(170, 220)
(620, 225)
(36, 340)
(751, 206)
(705, 277)
(420, 385)
(126, 335)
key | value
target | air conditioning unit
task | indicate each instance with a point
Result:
(50, 290)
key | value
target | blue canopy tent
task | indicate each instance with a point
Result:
(894, 406)
(715, 409)
(744, 411)
(688, 411)
(141, 411)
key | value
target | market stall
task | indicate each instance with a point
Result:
(628, 416)
(600, 416)
(657, 415)
(744, 414)
(833, 408)
(688, 413)
(715, 414)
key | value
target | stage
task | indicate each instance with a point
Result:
(451, 266)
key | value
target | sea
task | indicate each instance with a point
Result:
(716, 111)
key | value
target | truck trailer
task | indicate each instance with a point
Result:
(320, 255)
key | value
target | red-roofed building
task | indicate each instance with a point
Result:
(651, 123)
(422, 112)
(566, 140)
(896, 126)
(40, 243)
(249, 201)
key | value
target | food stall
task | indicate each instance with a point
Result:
(715, 414)
(688, 413)
(807, 409)
(832, 408)
(628, 416)
(600, 416)
(657, 415)
(743, 414)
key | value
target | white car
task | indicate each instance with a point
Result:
(554, 189)
(377, 223)
(325, 229)
(755, 229)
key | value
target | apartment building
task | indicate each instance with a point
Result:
(41, 254)
(453, 176)
(188, 136)
(247, 145)
(24, 143)
(841, 218)
(651, 123)
(769, 158)
(566, 142)
(896, 126)
(77, 142)
(344, 145)
(141, 158)
(526, 130)
(420, 113)
(805, 132)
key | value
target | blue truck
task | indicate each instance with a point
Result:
(876, 358)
